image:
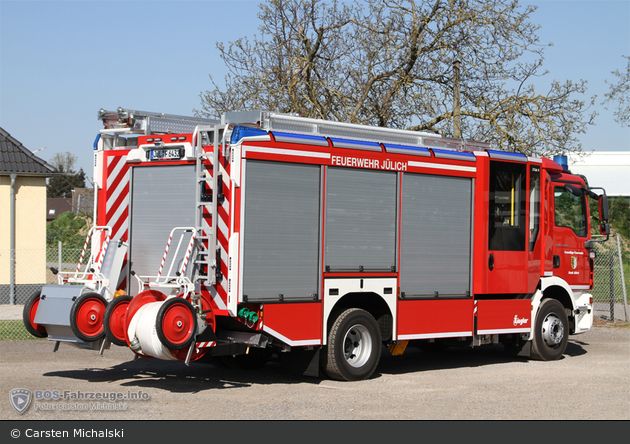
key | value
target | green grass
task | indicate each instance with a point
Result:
(12, 330)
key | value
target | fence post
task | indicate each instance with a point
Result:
(612, 287)
(59, 255)
(623, 280)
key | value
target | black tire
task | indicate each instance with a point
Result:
(551, 331)
(354, 346)
(86, 317)
(172, 311)
(28, 316)
(109, 319)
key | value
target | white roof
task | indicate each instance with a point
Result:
(607, 169)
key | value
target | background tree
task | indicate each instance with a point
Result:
(619, 93)
(62, 184)
(69, 228)
(390, 63)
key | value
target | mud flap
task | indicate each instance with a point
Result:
(301, 361)
(523, 348)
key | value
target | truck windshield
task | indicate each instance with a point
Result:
(570, 211)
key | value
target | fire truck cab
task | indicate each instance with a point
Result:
(268, 233)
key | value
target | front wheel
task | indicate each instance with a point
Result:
(551, 331)
(354, 346)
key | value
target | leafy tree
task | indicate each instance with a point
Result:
(619, 209)
(62, 184)
(68, 228)
(619, 93)
(390, 63)
(618, 215)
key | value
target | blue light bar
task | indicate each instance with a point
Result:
(246, 131)
(563, 161)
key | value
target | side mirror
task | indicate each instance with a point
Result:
(604, 226)
(603, 208)
(573, 190)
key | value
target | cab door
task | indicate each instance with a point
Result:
(570, 232)
(507, 227)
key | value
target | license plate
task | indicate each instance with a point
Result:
(167, 154)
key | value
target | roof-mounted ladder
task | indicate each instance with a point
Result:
(148, 122)
(292, 123)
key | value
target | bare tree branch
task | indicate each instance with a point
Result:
(389, 63)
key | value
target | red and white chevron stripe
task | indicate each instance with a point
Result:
(117, 201)
(114, 211)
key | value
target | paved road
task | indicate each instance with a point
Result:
(591, 381)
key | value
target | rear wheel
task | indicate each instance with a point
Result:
(86, 317)
(28, 316)
(551, 331)
(114, 320)
(354, 346)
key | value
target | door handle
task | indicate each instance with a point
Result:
(556, 261)
(491, 262)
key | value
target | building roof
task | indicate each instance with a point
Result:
(56, 206)
(15, 158)
(606, 169)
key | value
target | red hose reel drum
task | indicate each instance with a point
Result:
(175, 322)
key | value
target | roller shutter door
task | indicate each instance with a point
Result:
(435, 235)
(281, 231)
(162, 198)
(360, 220)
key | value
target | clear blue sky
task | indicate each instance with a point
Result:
(61, 61)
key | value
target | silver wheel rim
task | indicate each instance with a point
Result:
(552, 330)
(357, 345)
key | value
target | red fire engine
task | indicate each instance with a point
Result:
(268, 233)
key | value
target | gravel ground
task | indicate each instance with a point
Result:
(591, 381)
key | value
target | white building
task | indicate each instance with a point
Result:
(606, 169)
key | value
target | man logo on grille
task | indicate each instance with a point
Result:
(20, 399)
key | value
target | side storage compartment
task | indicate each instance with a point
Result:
(281, 238)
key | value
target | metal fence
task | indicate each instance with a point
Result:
(609, 291)
(611, 280)
(31, 272)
